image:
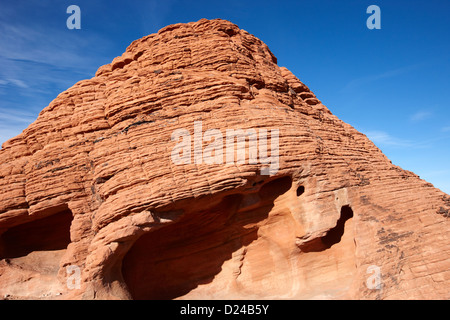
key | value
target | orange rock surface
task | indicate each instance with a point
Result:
(91, 185)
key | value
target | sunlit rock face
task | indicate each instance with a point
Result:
(97, 202)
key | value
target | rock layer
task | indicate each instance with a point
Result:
(91, 184)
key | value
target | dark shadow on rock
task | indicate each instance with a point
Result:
(45, 234)
(333, 235)
(171, 261)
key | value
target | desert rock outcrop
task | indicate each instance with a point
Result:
(90, 189)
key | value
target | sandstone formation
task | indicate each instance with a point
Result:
(90, 187)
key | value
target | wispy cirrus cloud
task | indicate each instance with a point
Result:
(357, 83)
(39, 60)
(15, 82)
(39, 45)
(13, 122)
(420, 116)
(382, 138)
(16, 116)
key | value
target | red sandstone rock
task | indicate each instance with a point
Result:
(91, 184)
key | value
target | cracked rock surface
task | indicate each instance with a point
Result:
(91, 184)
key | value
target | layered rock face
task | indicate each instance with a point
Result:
(93, 205)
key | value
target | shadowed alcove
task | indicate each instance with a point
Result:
(170, 262)
(333, 236)
(45, 234)
(33, 251)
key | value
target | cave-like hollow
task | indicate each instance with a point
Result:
(169, 262)
(45, 234)
(333, 236)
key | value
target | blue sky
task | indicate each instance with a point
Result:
(391, 84)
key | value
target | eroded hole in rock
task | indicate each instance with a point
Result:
(333, 236)
(300, 190)
(170, 262)
(45, 234)
(31, 254)
(328, 263)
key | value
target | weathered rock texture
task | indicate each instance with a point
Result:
(91, 184)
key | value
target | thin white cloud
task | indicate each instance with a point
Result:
(54, 48)
(11, 116)
(13, 122)
(420, 116)
(32, 53)
(9, 132)
(38, 61)
(446, 129)
(382, 138)
(354, 84)
(15, 82)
